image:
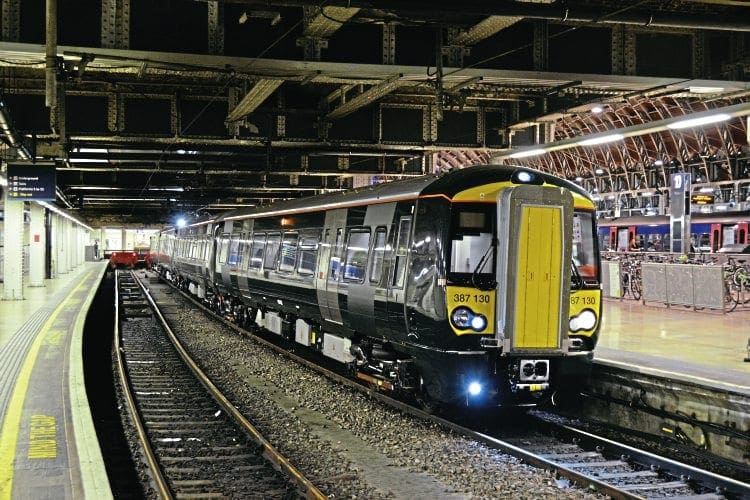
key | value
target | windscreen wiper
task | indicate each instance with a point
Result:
(481, 265)
(576, 276)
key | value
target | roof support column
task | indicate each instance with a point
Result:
(58, 231)
(215, 28)
(541, 45)
(429, 124)
(37, 245)
(481, 126)
(454, 52)
(699, 54)
(116, 24)
(13, 252)
(734, 70)
(11, 12)
(389, 43)
(623, 50)
(115, 113)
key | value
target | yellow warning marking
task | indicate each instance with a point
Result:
(42, 437)
(681, 376)
(12, 422)
(54, 337)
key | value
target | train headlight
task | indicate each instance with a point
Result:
(462, 317)
(475, 388)
(478, 323)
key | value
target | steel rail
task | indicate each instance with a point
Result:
(736, 488)
(156, 474)
(269, 452)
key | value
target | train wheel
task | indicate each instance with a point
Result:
(425, 401)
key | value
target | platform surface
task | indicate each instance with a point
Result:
(704, 347)
(48, 444)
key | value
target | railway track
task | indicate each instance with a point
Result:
(195, 443)
(590, 461)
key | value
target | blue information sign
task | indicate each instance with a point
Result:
(31, 181)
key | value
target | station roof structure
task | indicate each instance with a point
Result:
(154, 109)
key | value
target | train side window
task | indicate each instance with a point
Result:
(308, 254)
(335, 263)
(288, 257)
(240, 249)
(234, 244)
(272, 251)
(259, 243)
(356, 255)
(224, 249)
(404, 230)
(378, 253)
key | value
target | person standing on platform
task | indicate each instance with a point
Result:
(633, 246)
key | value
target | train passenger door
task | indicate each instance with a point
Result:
(329, 265)
(396, 306)
(366, 292)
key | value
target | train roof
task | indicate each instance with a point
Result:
(448, 184)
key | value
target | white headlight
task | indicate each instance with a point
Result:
(475, 388)
(478, 322)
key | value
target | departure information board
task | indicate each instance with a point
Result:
(31, 181)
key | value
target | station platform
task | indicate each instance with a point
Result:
(48, 444)
(703, 347)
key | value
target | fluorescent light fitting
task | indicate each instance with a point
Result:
(599, 171)
(706, 190)
(597, 109)
(579, 179)
(91, 150)
(528, 152)
(87, 160)
(706, 90)
(601, 140)
(697, 122)
(658, 163)
(647, 193)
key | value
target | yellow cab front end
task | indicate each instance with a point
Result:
(523, 275)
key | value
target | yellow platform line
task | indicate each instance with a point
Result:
(12, 423)
(678, 375)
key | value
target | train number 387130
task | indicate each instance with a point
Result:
(471, 297)
(589, 301)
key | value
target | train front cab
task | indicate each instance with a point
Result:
(527, 294)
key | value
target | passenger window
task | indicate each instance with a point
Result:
(259, 243)
(234, 245)
(404, 230)
(224, 249)
(308, 254)
(356, 255)
(378, 253)
(288, 252)
(272, 251)
(336, 256)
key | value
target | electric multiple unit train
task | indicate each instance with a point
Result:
(477, 287)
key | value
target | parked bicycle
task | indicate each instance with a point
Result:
(630, 278)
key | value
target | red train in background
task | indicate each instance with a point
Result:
(140, 256)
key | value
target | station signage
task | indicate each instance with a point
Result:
(31, 181)
(702, 199)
